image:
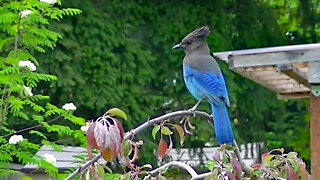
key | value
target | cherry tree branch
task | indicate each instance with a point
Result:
(157, 120)
(181, 165)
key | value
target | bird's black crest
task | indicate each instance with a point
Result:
(199, 33)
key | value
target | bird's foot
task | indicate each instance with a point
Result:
(193, 109)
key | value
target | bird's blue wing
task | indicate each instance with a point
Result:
(211, 85)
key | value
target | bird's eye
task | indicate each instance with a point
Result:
(188, 42)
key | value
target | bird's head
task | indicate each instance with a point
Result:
(193, 40)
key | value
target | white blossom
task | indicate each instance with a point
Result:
(49, 1)
(28, 64)
(27, 91)
(86, 127)
(15, 139)
(50, 158)
(69, 106)
(25, 13)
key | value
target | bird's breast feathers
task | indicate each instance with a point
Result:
(202, 63)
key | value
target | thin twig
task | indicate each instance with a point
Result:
(33, 127)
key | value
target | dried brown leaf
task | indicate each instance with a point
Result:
(180, 132)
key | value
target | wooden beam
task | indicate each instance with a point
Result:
(314, 72)
(297, 95)
(294, 73)
(315, 136)
(273, 58)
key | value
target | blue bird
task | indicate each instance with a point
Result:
(204, 80)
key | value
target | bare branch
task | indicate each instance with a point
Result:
(201, 176)
(160, 119)
(181, 165)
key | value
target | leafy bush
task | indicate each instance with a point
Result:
(24, 32)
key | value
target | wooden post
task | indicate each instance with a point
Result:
(315, 135)
(314, 80)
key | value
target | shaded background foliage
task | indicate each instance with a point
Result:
(118, 54)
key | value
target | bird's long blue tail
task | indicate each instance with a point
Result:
(222, 123)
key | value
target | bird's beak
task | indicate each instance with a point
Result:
(177, 46)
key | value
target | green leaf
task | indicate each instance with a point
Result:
(26, 178)
(38, 133)
(116, 112)
(210, 164)
(146, 166)
(267, 160)
(100, 170)
(126, 176)
(126, 148)
(166, 131)
(281, 150)
(155, 129)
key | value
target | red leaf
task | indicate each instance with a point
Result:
(114, 138)
(256, 166)
(91, 141)
(290, 174)
(162, 148)
(236, 167)
(119, 125)
(230, 176)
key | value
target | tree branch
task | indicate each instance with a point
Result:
(159, 119)
(148, 123)
(181, 165)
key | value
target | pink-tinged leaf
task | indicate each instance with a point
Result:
(290, 174)
(264, 156)
(91, 140)
(256, 166)
(303, 171)
(119, 125)
(230, 176)
(180, 131)
(216, 156)
(115, 139)
(162, 148)
(100, 135)
(236, 167)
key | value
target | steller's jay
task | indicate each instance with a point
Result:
(204, 80)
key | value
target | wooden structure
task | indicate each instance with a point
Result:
(290, 71)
